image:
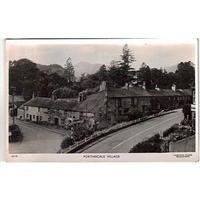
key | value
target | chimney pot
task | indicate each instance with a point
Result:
(102, 86)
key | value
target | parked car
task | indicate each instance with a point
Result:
(15, 134)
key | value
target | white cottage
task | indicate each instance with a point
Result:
(50, 111)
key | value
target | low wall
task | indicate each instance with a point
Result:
(99, 134)
(184, 145)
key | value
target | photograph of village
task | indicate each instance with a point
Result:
(131, 96)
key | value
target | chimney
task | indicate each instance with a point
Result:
(144, 85)
(33, 95)
(174, 87)
(102, 86)
(157, 88)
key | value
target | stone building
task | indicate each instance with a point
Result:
(115, 104)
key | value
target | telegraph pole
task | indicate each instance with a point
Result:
(13, 105)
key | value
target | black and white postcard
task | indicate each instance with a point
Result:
(102, 99)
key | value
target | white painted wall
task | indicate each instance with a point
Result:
(20, 114)
(35, 111)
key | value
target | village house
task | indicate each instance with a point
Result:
(48, 110)
(115, 104)
(15, 103)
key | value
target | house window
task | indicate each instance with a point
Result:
(132, 102)
(33, 116)
(49, 119)
(38, 109)
(26, 107)
(40, 118)
(126, 110)
(27, 115)
(62, 121)
(119, 102)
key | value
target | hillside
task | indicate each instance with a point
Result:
(50, 69)
(86, 67)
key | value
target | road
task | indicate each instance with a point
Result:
(37, 139)
(122, 141)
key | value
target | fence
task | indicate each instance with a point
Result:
(98, 134)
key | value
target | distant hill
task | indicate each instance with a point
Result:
(86, 67)
(172, 68)
(80, 68)
(50, 69)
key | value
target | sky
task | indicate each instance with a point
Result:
(154, 52)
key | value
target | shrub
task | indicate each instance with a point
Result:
(170, 130)
(81, 132)
(66, 142)
(153, 145)
(16, 134)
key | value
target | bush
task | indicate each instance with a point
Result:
(170, 130)
(80, 132)
(66, 142)
(152, 145)
(16, 134)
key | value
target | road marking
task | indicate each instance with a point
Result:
(143, 132)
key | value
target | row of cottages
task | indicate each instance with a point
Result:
(115, 104)
(48, 110)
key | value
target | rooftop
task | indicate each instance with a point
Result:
(140, 92)
(60, 104)
(92, 103)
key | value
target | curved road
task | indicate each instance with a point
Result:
(122, 141)
(37, 139)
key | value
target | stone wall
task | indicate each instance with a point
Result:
(184, 145)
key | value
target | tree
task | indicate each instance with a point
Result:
(145, 75)
(185, 75)
(156, 76)
(69, 72)
(23, 75)
(102, 73)
(65, 93)
(125, 65)
(115, 76)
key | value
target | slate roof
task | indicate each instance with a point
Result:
(92, 103)
(62, 104)
(95, 101)
(131, 92)
(140, 92)
(164, 92)
(43, 102)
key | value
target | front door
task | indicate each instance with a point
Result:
(56, 121)
(37, 119)
(30, 117)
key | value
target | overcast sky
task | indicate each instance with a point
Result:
(156, 53)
